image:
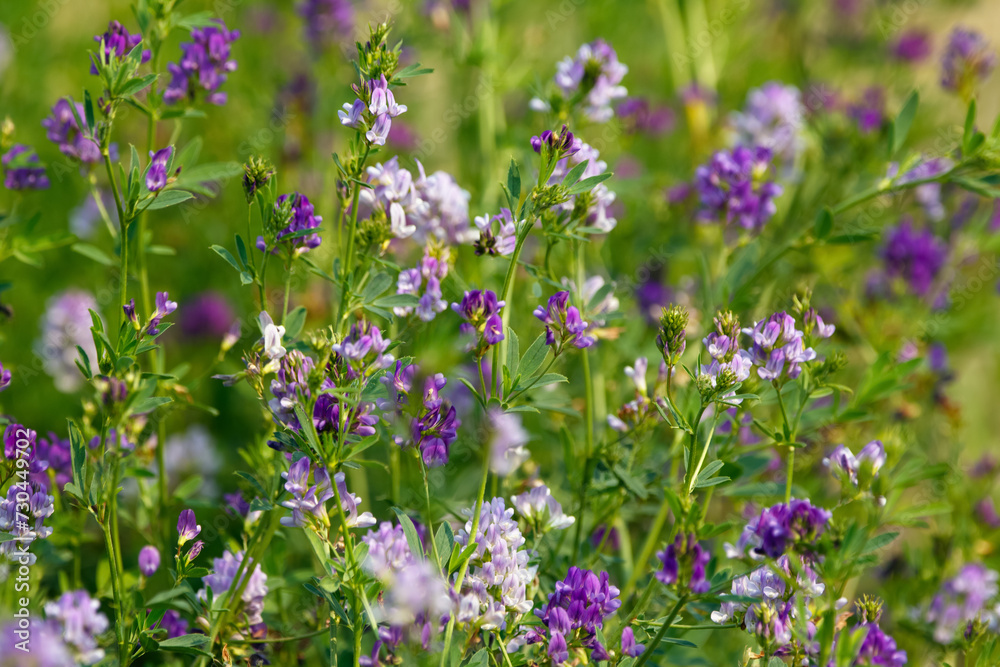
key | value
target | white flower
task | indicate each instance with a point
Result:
(272, 337)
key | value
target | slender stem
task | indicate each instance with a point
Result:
(651, 647)
(430, 517)
(789, 473)
(110, 525)
(534, 380)
(506, 292)
(122, 236)
(349, 257)
(99, 202)
(288, 288)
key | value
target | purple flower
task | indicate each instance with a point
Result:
(878, 648)
(967, 596)
(164, 306)
(436, 427)
(558, 144)
(629, 647)
(501, 243)
(223, 578)
(82, 622)
(424, 282)
(159, 165)
(187, 527)
(388, 550)
(859, 470)
(541, 510)
(63, 130)
(56, 451)
(204, 65)
(684, 563)
(733, 186)
(869, 111)
(444, 210)
(351, 114)
(173, 623)
(575, 611)
(776, 342)
(206, 315)
(915, 256)
(773, 118)
(24, 519)
(308, 503)
(118, 43)
(296, 215)
(782, 527)
(594, 76)
(66, 325)
(499, 572)
(967, 59)
(912, 46)
(481, 311)
(149, 560)
(326, 21)
(644, 118)
(23, 170)
(563, 324)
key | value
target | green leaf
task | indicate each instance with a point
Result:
(149, 404)
(379, 283)
(137, 84)
(514, 183)
(187, 644)
(397, 301)
(412, 538)
(78, 454)
(548, 378)
(294, 322)
(513, 350)
(824, 223)
(970, 127)
(879, 541)
(533, 357)
(169, 198)
(241, 249)
(228, 256)
(574, 174)
(588, 184)
(93, 252)
(901, 126)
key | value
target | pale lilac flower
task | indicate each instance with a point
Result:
(272, 336)
(772, 118)
(156, 176)
(541, 509)
(187, 527)
(65, 325)
(80, 618)
(506, 442)
(222, 579)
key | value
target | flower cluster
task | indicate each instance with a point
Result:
(24, 518)
(424, 282)
(967, 60)
(773, 118)
(730, 364)
(541, 510)
(574, 613)
(429, 207)
(636, 413)
(326, 21)
(915, 256)
(593, 76)
(777, 595)
(118, 42)
(66, 325)
(63, 130)
(498, 569)
(375, 116)
(779, 348)
(23, 170)
(204, 65)
(734, 187)
(388, 550)
(968, 596)
(858, 470)
(683, 564)
(794, 526)
(435, 427)
(294, 218)
(480, 310)
(223, 579)
(79, 618)
(563, 324)
(499, 243)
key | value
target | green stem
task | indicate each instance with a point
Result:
(123, 239)
(651, 647)
(694, 471)
(430, 517)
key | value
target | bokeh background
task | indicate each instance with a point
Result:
(469, 117)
